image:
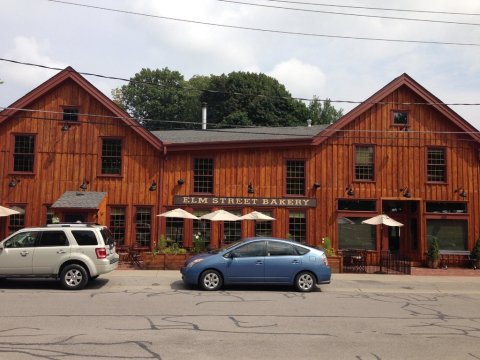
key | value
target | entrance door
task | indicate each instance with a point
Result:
(399, 239)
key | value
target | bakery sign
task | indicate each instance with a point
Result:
(244, 201)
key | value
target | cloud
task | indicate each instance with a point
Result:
(28, 49)
(300, 79)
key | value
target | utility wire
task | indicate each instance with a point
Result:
(266, 30)
(347, 133)
(351, 14)
(375, 8)
(189, 88)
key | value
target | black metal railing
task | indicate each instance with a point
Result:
(371, 262)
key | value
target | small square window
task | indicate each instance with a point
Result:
(70, 114)
(400, 118)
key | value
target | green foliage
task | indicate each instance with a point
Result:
(433, 249)
(476, 250)
(323, 114)
(327, 246)
(198, 243)
(159, 95)
(237, 99)
(163, 246)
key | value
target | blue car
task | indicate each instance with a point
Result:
(259, 261)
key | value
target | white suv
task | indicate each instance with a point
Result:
(74, 253)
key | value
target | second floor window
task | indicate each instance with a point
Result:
(203, 176)
(295, 177)
(364, 163)
(24, 153)
(111, 157)
(436, 165)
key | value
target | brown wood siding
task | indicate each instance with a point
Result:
(64, 159)
(400, 161)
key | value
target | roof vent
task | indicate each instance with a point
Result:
(309, 123)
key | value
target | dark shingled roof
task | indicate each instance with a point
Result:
(79, 200)
(238, 134)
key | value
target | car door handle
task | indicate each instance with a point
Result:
(61, 252)
(295, 262)
(24, 253)
(259, 262)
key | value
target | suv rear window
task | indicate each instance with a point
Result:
(107, 236)
(85, 237)
(53, 238)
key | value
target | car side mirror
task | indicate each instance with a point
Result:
(231, 255)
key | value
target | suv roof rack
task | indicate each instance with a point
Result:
(74, 224)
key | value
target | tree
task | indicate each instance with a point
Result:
(158, 99)
(323, 114)
(162, 99)
(244, 98)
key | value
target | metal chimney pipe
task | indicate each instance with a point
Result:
(204, 116)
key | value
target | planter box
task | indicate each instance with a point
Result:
(335, 263)
(163, 261)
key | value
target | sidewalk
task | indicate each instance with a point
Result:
(416, 271)
(451, 271)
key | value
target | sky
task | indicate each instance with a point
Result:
(120, 44)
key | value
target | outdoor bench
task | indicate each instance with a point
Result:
(455, 258)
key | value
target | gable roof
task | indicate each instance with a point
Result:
(402, 80)
(70, 74)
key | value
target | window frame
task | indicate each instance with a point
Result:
(71, 107)
(305, 236)
(287, 194)
(136, 243)
(396, 111)
(212, 176)
(445, 165)
(112, 227)
(374, 163)
(13, 153)
(100, 172)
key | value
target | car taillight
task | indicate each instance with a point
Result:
(101, 253)
(326, 261)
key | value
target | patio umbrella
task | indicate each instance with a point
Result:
(7, 212)
(178, 213)
(382, 219)
(256, 215)
(220, 215)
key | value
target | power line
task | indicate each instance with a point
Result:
(243, 129)
(351, 14)
(375, 8)
(189, 88)
(266, 30)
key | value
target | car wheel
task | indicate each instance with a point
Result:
(74, 277)
(211, 280)
(305, 281)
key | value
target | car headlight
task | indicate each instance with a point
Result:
(194, 262)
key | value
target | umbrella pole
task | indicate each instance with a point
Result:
(381, 251)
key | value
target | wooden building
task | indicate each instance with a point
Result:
(67, 152)
(401, 152)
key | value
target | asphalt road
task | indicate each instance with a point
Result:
(151, 315)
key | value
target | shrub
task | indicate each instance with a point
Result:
(433, 250)
(475, 253)
(327, 246)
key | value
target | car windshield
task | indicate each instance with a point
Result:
(225, 247)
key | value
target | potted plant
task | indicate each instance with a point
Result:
(335, 262)
(475, 254)
(433, 254)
